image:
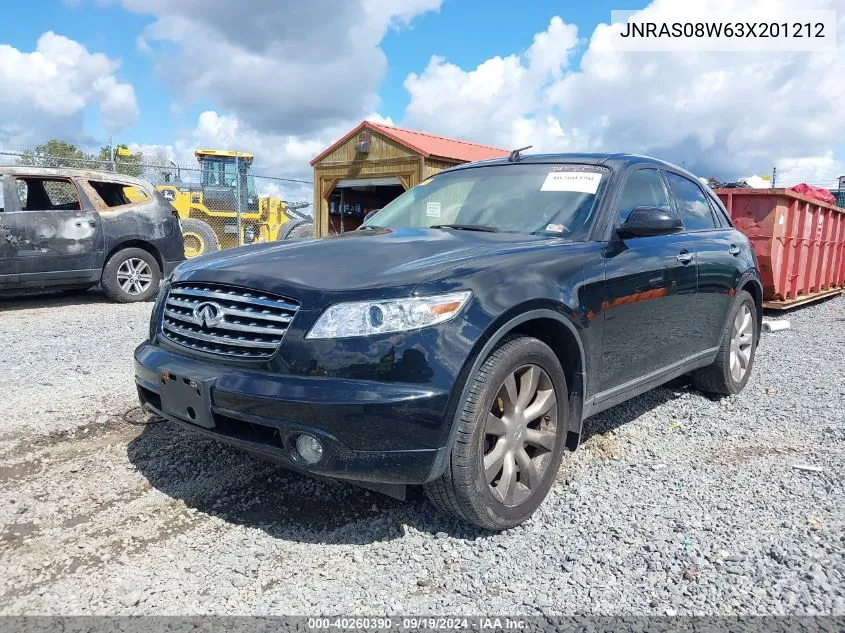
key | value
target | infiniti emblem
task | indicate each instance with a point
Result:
(209, 314)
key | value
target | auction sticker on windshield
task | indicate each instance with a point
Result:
(432, 209)
(577, 181)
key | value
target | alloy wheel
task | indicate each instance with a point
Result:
(519, 435)
(742, 338)
(134, 276)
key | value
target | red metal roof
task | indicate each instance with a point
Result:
(427, 145)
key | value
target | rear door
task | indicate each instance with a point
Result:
(716, 254)
(6, 276)
(650, 293)
(54, 234)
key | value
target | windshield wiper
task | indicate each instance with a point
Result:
(369, 227)
(466, 227)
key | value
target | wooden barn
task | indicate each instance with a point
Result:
(373, 164)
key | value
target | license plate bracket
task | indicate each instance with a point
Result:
(187, 399)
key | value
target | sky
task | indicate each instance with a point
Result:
(282, 79)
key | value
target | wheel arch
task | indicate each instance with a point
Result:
(547, 324)
(755, 289)
(750, 282)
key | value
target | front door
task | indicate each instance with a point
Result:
(717, 248)
(650, 287)
(51, 236)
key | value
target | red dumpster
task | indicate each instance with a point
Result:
(799, 241)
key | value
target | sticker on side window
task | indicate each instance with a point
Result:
(577, 181)
(432, 209)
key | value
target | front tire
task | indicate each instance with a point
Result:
(730, 371)
(296, 230)
(510, 437)
(131, 275)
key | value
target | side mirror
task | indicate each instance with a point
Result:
(370, 214)
(646, 221)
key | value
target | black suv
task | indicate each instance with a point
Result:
(72, 229)
(461, 336)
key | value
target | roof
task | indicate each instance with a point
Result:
(223, 152)
(614, 161)
(71, 172)
(428, 145)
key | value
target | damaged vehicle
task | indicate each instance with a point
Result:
(461, 336)
(67, 229)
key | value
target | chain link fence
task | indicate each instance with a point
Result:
(221, 203)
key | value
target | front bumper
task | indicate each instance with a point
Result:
(376, 432)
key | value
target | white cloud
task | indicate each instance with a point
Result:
(724, 114)
(284, 67)
(499, 101)
(822, 170)
(45, 92)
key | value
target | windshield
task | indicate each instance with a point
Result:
(550, 199)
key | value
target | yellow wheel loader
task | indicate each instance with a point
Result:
(208, 211)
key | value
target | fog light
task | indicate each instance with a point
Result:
(309, 448)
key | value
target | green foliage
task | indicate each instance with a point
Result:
(124, 161)
(57, 153)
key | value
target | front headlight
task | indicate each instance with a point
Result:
(364, 318)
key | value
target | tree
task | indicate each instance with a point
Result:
(158, 167)
(55, 153)
(125, 162)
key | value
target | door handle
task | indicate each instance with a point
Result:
(734, 249)
(686, 258)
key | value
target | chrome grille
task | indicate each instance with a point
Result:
(225, 320)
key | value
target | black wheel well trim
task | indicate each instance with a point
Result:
(750, 279)
(576, 397)
(135, 243)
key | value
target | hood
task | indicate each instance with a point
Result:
(389, 261)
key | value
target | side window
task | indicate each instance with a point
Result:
(61, 194)
(692, 203)
(23, 192)
(719, 213)
(47, 194)
(644, 188)
(115, 194)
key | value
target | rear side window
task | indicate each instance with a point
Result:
(691, 202)
(719, 213)
(47, 194)
(116, 194)
(644, 188)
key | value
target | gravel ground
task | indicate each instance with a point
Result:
(674, 504)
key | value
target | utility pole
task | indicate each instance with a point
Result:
(111, 155)
(238, 196)
(774, 176)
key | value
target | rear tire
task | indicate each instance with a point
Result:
(131, 275)
(730, 371)
(514, 422)
(199, 238)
